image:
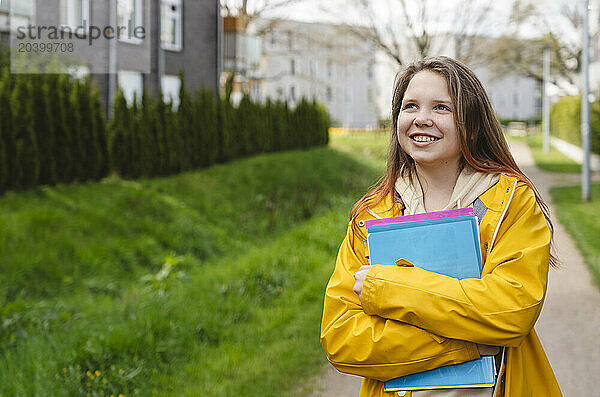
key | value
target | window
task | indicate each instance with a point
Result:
(75, 13)
(292, 67)
(131, 83)
(170, 85)
(329, 69)
(171, 25)
(293, 93)
(329, 94)
(279, 93)
(255, 92)
(130, 15)
(370, 71)
(370, 95)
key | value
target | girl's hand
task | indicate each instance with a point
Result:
(359, 276)
(487, 350)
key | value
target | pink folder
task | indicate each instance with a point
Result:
(421, 217)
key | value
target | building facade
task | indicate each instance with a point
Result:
(322, 62)
(178, 35)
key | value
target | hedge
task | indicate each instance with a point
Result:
(53, 130)
(565, 121)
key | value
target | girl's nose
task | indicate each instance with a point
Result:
(421, 120)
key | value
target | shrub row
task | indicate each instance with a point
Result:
(53, 130)
(150, 138)
(565, 121)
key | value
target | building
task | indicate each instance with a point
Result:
(242, 59)
(173, 35)
(323, 62)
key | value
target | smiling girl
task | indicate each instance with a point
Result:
(446, 151)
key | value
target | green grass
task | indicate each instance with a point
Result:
(206, 283)
(554, 161)
(372, 147)
(582, 223)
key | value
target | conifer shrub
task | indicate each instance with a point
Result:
(27, 165)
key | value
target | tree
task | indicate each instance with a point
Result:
(406, 31)
(7, 138)
(27, 165)
(99, 123)
(556, 27)
(118, 128)
(44, 135)
(56, 87)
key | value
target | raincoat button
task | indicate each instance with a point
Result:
(361, 223)
(485, 245)
(402, 393)
(507, 189)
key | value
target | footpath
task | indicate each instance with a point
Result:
(569, 325)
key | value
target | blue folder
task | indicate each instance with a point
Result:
(448, 246)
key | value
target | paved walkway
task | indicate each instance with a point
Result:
(569, 326)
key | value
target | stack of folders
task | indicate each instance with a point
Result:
(445, 242)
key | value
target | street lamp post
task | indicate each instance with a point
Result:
(585, 107)
(546, 135)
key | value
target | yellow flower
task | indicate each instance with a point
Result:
(97, 373)
(88, 373)
(120, 395)
(65, 370)
(112, 395)
(121, 371)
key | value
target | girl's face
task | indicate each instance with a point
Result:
(426, 130)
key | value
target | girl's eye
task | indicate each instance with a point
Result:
(443, 107)
(410, 106)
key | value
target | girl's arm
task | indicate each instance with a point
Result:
(372, 346)
(500, 309)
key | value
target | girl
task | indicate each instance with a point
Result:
(446, 151)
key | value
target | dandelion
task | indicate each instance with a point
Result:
(112, 395)
(97, 373)
(120, 395)
(89, 374)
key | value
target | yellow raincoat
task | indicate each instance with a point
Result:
(412, 320)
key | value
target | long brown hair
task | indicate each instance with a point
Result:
(482, 141)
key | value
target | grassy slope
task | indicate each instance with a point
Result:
(582, 222)
(250, 246)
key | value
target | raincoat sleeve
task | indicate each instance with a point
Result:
(499, 309)
(372, 346)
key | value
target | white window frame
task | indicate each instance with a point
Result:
(138, 20)
(68, 14)
(178, 17)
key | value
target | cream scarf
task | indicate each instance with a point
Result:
(469, 185)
